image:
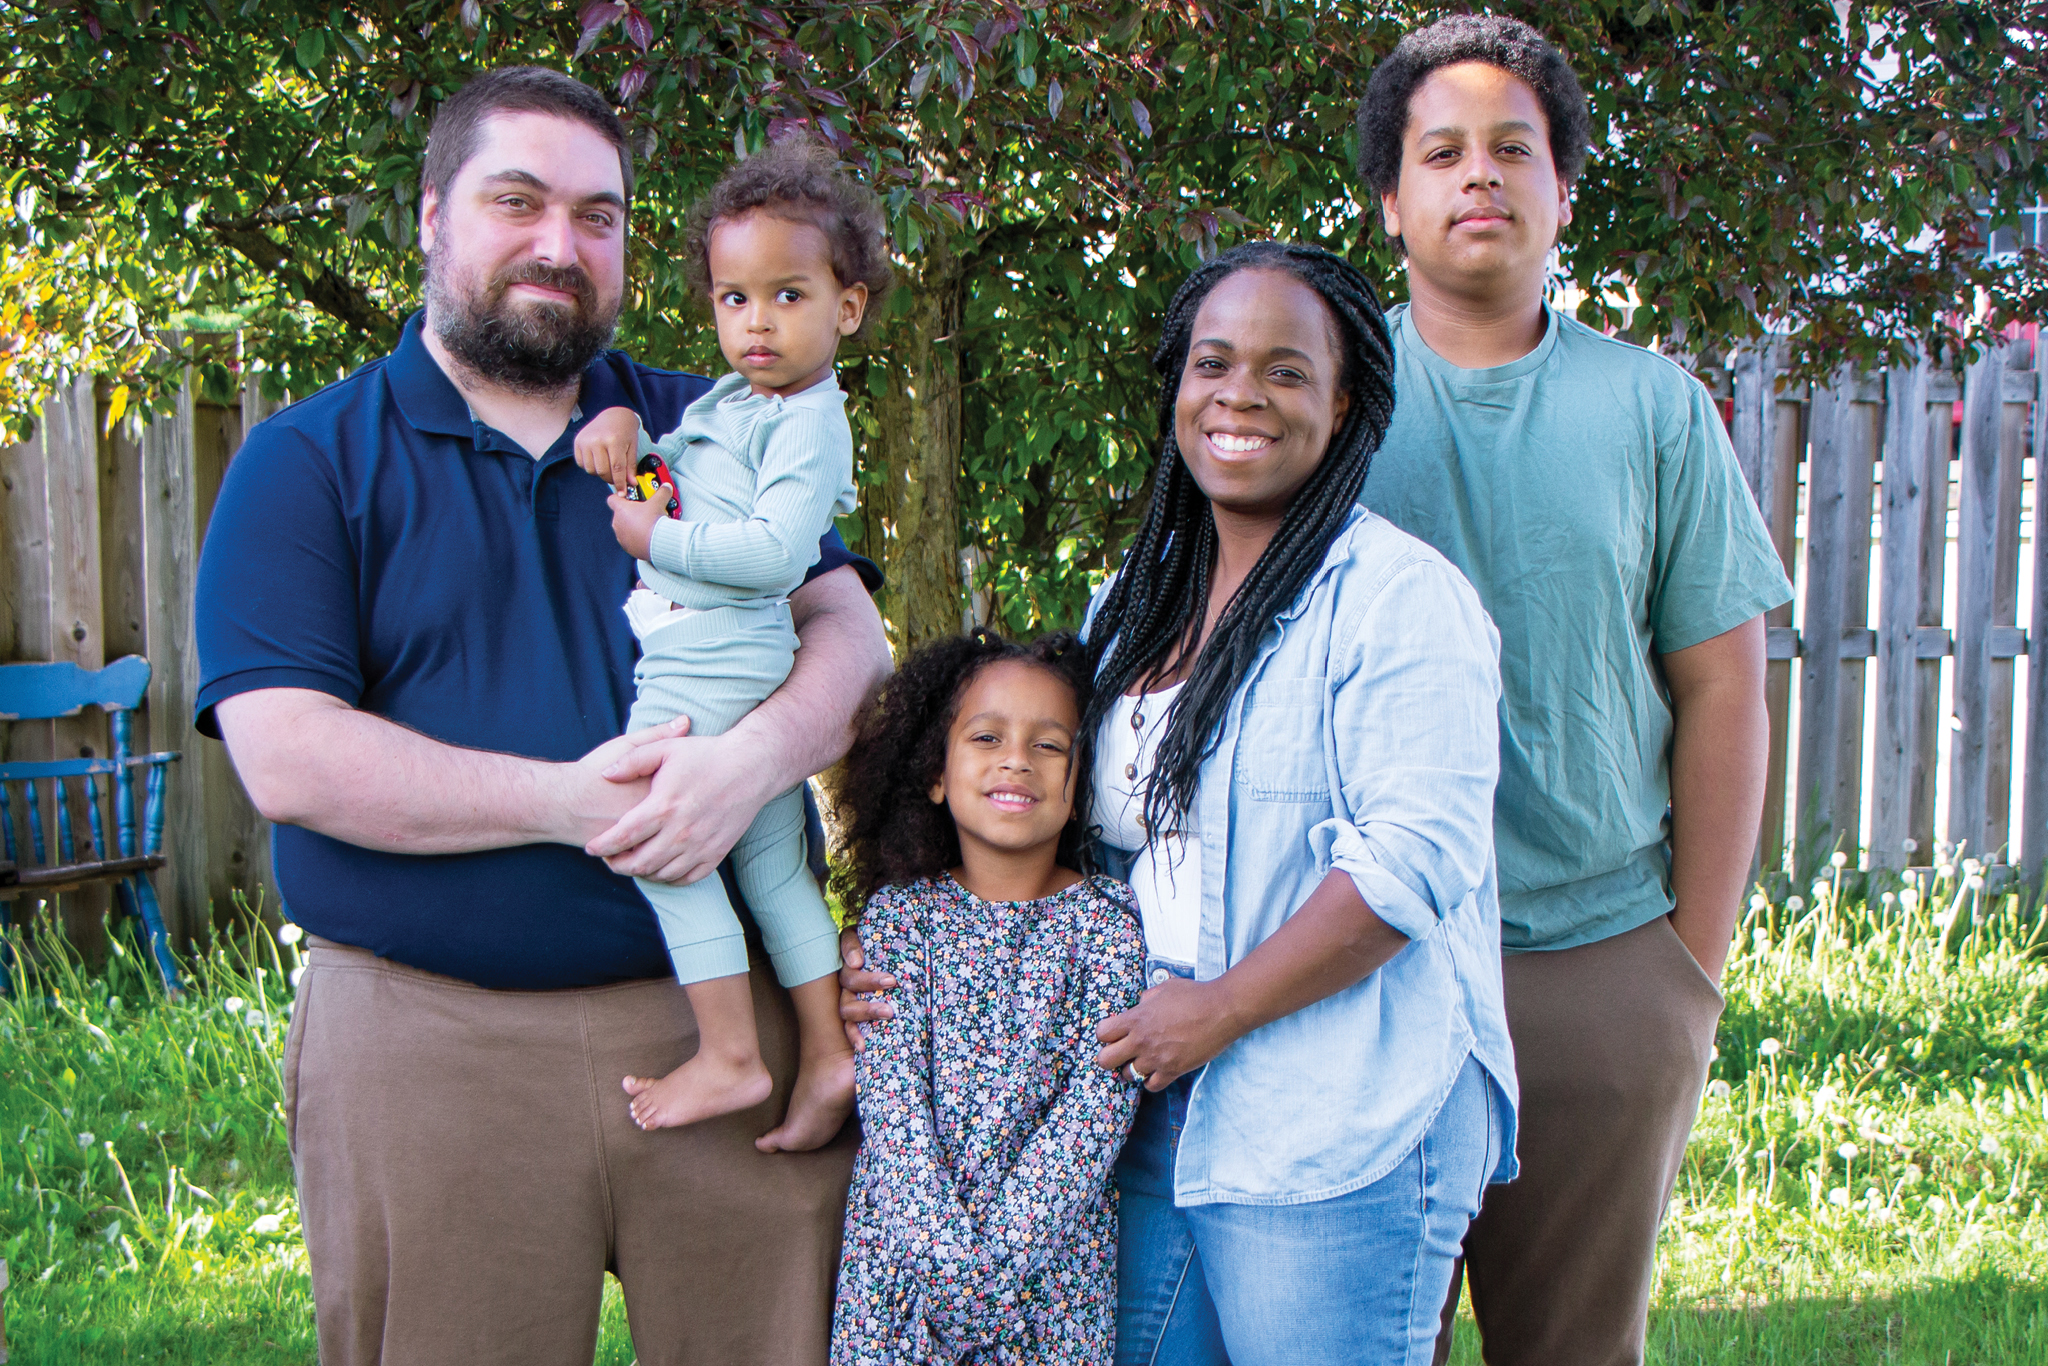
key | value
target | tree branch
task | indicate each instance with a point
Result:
(335, 295)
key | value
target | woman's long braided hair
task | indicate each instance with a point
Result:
(1156, 605)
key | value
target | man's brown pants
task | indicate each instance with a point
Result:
(1612, 1042)
(468, 1172)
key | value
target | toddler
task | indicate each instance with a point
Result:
(791, 253)
(981, 1226)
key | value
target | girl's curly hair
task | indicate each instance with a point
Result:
(799, 179)
(890, 829)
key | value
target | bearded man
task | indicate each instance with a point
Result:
(411, 640)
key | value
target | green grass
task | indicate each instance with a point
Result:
(1865, 1184)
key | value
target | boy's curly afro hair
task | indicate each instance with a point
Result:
(799, 179)
(1496, 40)
(891, 832)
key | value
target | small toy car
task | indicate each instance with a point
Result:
(650, 474)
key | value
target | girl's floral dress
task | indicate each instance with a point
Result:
(981, 1227)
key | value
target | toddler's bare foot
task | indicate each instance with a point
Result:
(818, 1105)
(702, 1088)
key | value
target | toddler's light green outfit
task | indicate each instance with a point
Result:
(758, 479)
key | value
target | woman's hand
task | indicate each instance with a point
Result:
(1175, 1028)
(1334, 941)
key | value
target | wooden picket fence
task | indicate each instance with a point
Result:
(1902, 523)
(102, 543)
(1913, 482)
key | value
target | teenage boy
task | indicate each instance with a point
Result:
(1588, 490)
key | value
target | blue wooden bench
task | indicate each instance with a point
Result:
(84, 798)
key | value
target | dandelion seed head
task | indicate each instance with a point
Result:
(234, 1005)
(1910, 845)
(1761, 938)
(1945, 870)
(1972, 866)
(1848, 1152)
(1759, 902)
(1936, 1205)
(266, 1223)
(1974, 882)
(1795, 903)
(289, 934)
(1839, 859)
(1990, 1146)
(1909, 898)
(1718, 1087)
(1769, 1048)
(87, 1139)
(297, 973)
(1839, 1196)
(256, 1019)
(1820, 891)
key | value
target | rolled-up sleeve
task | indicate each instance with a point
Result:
(1414, 729)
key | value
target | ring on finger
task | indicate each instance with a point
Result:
(1136, 1075)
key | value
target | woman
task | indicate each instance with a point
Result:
(1294, 728)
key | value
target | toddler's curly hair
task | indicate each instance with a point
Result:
(800, 180)
(891, 832)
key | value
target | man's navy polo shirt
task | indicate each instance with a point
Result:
(375, 543)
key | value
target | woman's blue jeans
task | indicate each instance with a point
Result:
(1358, 1280)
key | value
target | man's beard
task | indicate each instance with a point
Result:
(537, 348)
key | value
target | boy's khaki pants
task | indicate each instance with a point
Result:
(468, 1172)
(1612, 1043)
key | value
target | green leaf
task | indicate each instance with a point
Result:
(311, 47)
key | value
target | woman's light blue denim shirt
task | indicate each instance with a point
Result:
(1364, 739)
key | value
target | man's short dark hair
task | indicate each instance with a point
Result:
(458, 123)
(1508, 44)
(799, 179)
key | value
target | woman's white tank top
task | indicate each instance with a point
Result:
(1167, 877)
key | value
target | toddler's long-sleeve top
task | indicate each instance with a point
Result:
(758, 478)
(981, 1226)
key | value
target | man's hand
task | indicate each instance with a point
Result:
(854, 978)
(609, 446)
(702, 796)
(633, 522)
(1175, 1028)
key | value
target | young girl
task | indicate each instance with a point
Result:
(979, 1226)
(791, 253)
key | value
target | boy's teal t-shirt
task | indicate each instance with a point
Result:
(1589, 492)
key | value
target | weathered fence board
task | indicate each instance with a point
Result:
(1915, 537)
(1844, 435)
(1768, 431)
(2034, 780)
(71, 455)
(1987, 560)
(235, 840)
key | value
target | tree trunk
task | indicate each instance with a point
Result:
(911, 518)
